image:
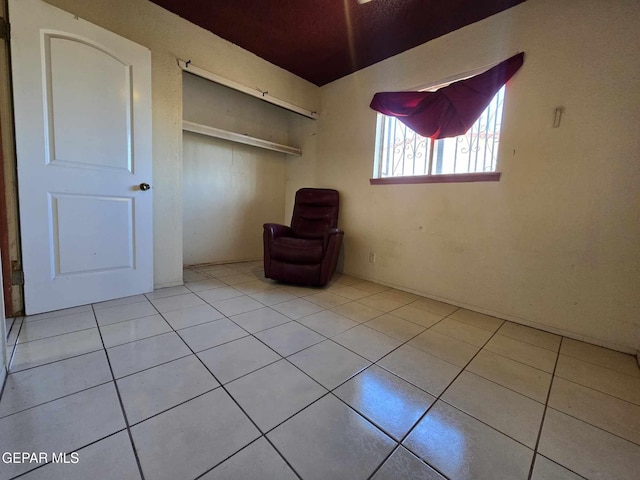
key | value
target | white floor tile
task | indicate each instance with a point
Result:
(523, 352)
(258, 461)
(417, 315)
(367, 342)
(445, 347)
(177, 302)
(327, 323)
(476, 319)
(58, 313)
(328, 363)
(404, 464)
(328, 440)
(52, 349)
(605, 380)
(326, 299)
(545, 469)
(462, 447)
(119, 302)
(211, 334)
(604, 357)
(434, 306)
(237, 305)
(395, 327)
(260, 319)
(56, 326)
(509, 412)
(284, 391)
(167, 292)
(132, 330)
(189, 317)
(218, 294)
(60, 390)
(429, 373)
(272, 296)
(357, 312)
(289, 338)
(380, 302)
(516, 376)
(63, 425)
(604, 411)
(297, 308)
(35, 386)
(387, 401)
(149, 352)
(204, 284)
(108, 459)
(531, 335)
(192, 438)
(587, 450)
(237, 358)
(152, 391)
(121, 313)
(462, 331)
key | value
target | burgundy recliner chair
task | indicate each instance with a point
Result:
(307, 252)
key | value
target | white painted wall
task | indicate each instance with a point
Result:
(555, 243)
(169, 37)
(230, 190)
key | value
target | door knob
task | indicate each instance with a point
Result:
(144, 187)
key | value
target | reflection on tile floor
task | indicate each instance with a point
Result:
(233, 376)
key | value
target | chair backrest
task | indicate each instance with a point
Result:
(315, 211)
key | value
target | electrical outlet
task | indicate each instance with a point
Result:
(372, 257)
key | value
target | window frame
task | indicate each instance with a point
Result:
(464, 177)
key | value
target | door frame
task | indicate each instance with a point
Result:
(9, 223)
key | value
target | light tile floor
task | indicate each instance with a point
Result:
(232, 376)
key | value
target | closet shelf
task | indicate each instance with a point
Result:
(189, 67)
(238, 138)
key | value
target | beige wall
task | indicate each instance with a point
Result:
(170, 37)
(554, 244)
(230, 189)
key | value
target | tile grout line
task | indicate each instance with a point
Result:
(329, 391)
(438, 397)
(463, 369)
(81, 448)
(236, 403)
(600, 365)
(56, 335)
(124, 413)
(544, 413)
(55, 399)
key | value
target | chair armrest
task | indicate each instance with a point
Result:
(330, 235)
(275, 230)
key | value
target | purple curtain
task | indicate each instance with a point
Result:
(452, 110)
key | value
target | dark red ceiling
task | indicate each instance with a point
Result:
(323, 40)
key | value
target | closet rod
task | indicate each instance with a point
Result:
(189, 67)
(238, 138)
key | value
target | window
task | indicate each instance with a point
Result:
(401, 152)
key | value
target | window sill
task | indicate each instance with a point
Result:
(448, 178)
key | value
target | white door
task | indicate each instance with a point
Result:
(82, 98)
